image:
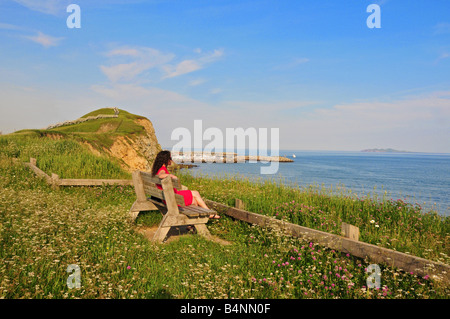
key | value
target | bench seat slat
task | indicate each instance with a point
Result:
(201, 211)
(190, 211)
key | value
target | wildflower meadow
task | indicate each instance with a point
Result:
(44, 230)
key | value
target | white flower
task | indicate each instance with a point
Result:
(372, 221)
(377, 225)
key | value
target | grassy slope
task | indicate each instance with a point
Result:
(123, 125)
(53, 147)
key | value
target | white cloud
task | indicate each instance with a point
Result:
(127, 63)
(420, 123)
(196, 82)
(138, 60)
(53, 7)
(188, 66)
(290, 65)
(44, 39)
(181, 68)
(7, 26)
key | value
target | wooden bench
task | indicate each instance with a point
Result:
(171, 205)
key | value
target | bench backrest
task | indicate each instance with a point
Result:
(149, 184)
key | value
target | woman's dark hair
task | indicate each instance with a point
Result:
(163, 158)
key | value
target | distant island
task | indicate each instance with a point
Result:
(384, 150)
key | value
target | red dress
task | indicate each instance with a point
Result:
(187, 194)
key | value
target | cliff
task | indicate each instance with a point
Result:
(127, 137)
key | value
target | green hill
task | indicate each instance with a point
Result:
(127, 140)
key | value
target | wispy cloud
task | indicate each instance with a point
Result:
(196, 82)
(44, 39)
(191, 65)
(136, 61)
(441, 28)
(7, 26)
(53, 7)
(127, 63)
(443, 56)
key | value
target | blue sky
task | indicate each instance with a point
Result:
(313, 69)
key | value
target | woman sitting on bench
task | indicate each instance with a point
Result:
(159, 168)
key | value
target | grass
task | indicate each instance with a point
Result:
(44, 230)
(65, 157)
(389, 223)
(90, 131)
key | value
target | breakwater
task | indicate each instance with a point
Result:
(224, 157)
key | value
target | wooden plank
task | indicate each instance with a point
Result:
(188, 211)
(93, 182)
(153, 191)
(239, 203)
(202, 211)
(158, 193)
(169, 196)
(350, 231)
(38, 171)
(149, 178)
(376, 254)
(138, 186)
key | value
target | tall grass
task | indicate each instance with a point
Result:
(389, 223)
(43, 230)
(64, 157)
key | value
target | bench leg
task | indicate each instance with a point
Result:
(133, 215)
(161, 234)
(202, 230)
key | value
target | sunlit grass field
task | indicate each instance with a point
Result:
(44, 230)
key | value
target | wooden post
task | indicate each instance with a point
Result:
(239, 204)
(139, 186)
(55, 181)
(350, 231)
(141, 203)
(169, 196)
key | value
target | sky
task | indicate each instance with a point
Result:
(312, 69)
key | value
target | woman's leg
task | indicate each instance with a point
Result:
(196, 198)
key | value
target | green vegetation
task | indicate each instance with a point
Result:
(43, 231)
(64, 157)
(392, 224)
(99, 133)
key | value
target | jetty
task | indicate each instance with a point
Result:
(224, 157)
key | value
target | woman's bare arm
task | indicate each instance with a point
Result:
(163, 175)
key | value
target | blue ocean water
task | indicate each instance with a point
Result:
(422, 178)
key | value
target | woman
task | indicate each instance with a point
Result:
(159, 168)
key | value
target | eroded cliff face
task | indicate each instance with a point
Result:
(137, 152)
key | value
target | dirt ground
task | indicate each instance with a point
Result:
(175, 233)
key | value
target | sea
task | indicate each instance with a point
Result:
(416, 178)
